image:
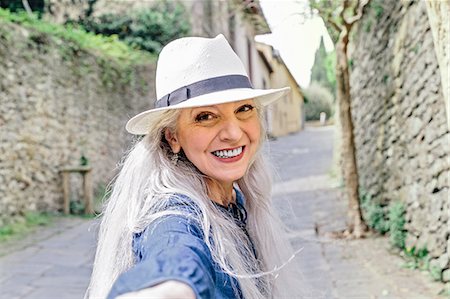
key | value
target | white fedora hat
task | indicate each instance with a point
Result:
(197, 71)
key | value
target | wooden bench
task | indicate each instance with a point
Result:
(85, 171)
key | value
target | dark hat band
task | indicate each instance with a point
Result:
(203, 87)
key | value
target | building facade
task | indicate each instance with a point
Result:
(286, 115)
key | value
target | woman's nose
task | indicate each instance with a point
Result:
(231, 130)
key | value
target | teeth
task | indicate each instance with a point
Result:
(228, 153)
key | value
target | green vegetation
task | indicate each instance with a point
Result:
(78, 39)
(378, 8)
(419, 259)
(115, 59)
(146, 29)
(101, 192)
(385, 219)
(416, 258)
(76, 207)
(37, 6)
(435, 273)
(323, 70)
(22, 226)
(317, 99)
(373, 214)
(397, 233)
(374, 13)
(84, 161)
(391, 220)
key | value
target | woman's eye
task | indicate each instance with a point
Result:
(204, 117)
(245, 108)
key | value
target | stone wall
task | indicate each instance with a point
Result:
(401, 131)
(57, 103)
(439, 17)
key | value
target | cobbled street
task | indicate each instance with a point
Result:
(55, 262)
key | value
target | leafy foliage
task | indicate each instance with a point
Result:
(318, 99)
(397, 224)
(373, 214)
(78, 38)
(76, 207)
(84, 161)
(417, 258)
(339, 15)
(327, 10)
(37, 6)
(394, 224)
(148, 29)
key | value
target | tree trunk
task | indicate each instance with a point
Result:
(348, 156)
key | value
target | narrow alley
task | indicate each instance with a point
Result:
(55, 262)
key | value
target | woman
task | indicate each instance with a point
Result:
(189, 215)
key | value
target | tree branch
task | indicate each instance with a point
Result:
(355, 8)
(344, 7)
(327, 17)
(334, 25)
(355, 18)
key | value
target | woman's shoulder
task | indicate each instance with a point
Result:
(182, 202)
(178, 215)
(166, 230)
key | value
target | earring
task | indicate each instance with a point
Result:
(174, 159)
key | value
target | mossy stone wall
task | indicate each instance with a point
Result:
(401, 132)
(57, 103)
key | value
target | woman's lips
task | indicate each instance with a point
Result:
(229, 155)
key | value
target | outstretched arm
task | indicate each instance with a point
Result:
(173, 262)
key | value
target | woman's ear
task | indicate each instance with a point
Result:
(173, 141)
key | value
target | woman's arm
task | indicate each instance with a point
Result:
(171, 289)
(173, 261)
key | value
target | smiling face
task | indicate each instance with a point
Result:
(219, 140)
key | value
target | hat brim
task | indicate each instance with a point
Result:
(141, 123)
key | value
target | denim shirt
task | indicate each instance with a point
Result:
(173, 248)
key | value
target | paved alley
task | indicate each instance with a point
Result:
(344, 269)
(55, 262)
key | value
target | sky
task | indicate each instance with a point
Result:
(294, 36)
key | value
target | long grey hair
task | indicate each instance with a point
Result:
(144, 185)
